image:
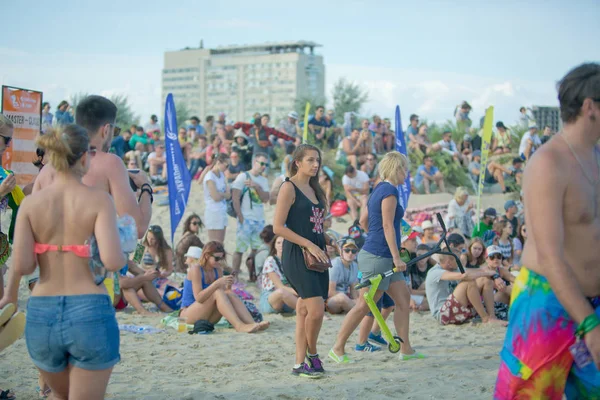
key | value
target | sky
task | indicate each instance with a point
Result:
(426, 56)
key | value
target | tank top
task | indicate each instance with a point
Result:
(305, 218)
(187, 298)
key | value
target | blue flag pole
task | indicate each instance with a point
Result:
(404, 189)
(178, 176)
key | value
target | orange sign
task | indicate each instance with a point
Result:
(24, 108)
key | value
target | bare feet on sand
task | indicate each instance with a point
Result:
(263, 325)
(249, 328)
(496, 321)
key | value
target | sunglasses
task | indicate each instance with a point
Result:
(353, 251)
(155, 229)
(497, 257)
(218, 258)
(262, 163)
(195, 223)
(7, 139)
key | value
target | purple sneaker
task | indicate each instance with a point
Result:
(315, 363)
(305, 371)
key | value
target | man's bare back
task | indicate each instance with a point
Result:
(554, 176)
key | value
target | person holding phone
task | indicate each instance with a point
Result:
(380, 254)
(207, 291)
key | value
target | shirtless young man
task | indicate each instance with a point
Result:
(556, 297)
(97, 114)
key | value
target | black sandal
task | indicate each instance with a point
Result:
(7, 395)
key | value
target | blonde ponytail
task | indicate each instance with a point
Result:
(64, 146)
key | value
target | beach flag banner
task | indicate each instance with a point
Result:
(24, 108)
(404, 189)
(485, 148)
(305, 133)
(178, 176)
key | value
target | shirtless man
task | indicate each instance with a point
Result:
(107, 172)
(555, 300)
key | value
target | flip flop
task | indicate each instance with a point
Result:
(12, 331)
(6, 313)
(340, 360)
(413, 356)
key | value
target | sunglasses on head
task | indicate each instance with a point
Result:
(497, 257)
(218, 258)
(353, 251)
(155, 229)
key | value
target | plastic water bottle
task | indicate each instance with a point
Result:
(139, 329)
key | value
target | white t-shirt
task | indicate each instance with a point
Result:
(149, 128)
(256, 211)
(535, 139)
(358, 182)
(221, 184)
(451, 146)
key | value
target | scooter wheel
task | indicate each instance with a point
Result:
(395, 347)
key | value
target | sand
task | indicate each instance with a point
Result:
(462, 361)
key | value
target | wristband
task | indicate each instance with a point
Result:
(495, 276)
(146, 189)
(590, 323)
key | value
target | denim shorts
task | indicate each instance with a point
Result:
(266, 308)
(78, 330)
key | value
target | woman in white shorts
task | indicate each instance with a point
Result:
(216, 194)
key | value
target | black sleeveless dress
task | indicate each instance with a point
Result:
(305, 219)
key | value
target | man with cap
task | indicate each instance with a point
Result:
(511, 209)
(343, 275)
(501, 140)
(464, 302)
(486, 224)
(448, 146)
(152, 127)
(429, 237)
(290, 126)
(502, 275)
(530, 142)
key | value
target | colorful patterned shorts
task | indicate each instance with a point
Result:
(454, 313)
(248, 235)
(536, 361)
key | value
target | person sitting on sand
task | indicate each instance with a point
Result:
(464, 303)
(475, 255)
(157, 255)
(277, 296)
(343, 275)
(191, 227)
(418, 274)
(207, 292)
(139, 283)
(502, 283)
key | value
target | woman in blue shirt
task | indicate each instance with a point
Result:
(380, 253)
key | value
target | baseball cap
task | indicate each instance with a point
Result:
(193, 252)
(477, 153)
(293, 114)
(427, 225)
(491, 250)
(500, 124)
(509, 204)
(349, 242)
(490, 212)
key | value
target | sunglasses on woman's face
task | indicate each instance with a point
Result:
(218, 258)
(196, 223)
(353, 251)
(497, 257)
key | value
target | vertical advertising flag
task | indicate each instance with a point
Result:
(178, 176)
(24, 108)
(485, 148)
(305, 133)
(404, 189)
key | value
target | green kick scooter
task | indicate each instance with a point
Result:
(395, 341)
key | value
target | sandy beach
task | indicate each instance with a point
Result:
(462, 361)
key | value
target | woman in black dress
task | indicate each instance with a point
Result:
(299, 215)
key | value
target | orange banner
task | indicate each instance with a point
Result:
(24, 108)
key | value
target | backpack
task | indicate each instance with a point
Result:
(230, 209)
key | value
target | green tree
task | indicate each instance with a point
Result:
(184, 113)
(300, 105)
(125, 115)
(347, 97)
